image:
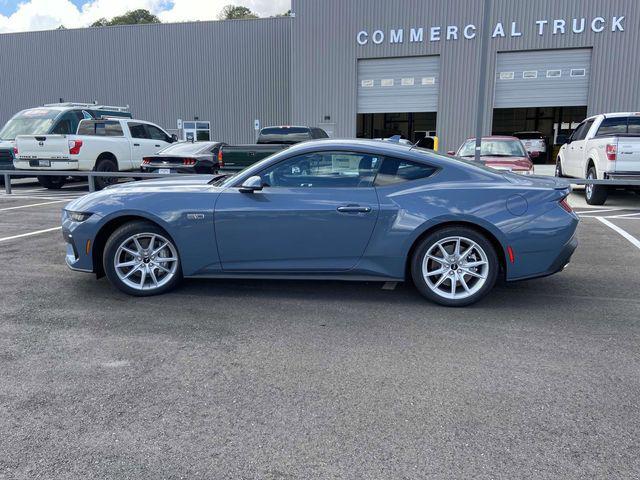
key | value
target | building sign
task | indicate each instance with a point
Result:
(574, 26)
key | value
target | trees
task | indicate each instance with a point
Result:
(235, 12)
(133, 17)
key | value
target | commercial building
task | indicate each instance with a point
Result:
(367, 68)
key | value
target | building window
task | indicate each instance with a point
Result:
(578, 72)
(554, 73)
(507, 75)
(367, 83)
(387, 82)
(407, 82)
(530, 74)
(428, 80)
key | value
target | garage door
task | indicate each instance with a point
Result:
(546, 78)
(398, 85)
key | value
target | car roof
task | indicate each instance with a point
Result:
(382, 148)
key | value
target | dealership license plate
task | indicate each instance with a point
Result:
(164, 171)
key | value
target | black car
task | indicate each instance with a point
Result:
(184, 157)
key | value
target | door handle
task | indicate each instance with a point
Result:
(158, 145)
(136, 144)
(353, 209)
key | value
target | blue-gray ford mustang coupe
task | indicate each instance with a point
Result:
(329, 209)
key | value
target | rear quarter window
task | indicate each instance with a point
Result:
(394, 171)
(613, 126)
(100, 129)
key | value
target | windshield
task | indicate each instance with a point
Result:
(493, 148)
(188, 148)
(288, 135)
(36, 121)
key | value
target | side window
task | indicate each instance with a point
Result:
(324, 170)
(156, 134)
(581, 132)
(138, 131)
(395, 171)
(67, 123)
(634, 125)
(613, 126)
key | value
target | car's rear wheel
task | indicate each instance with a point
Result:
(106, 165)
(141, 259)
(52, 183)
(455, 266)
(595, 194)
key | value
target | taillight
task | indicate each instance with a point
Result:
(612, 152)
(220, 160)
(74, 147)
(146, 160)
(565, 205)
(15, 151)
(189, 162)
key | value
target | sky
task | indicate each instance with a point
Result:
(29, 15)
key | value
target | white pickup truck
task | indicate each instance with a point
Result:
(105, 145)
(602, 147)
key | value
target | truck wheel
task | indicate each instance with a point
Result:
(52, 183)
(595, 194)
(106, 165)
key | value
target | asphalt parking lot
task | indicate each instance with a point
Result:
(283, 380)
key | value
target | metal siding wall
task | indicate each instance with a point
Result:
(563, 91)
(229, 72)
(325, 54)
(398, 98)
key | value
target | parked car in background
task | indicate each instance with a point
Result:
(602, 147)
(184, 157)
(535, 143)
(333, 209)
(500, 153)
(270, 141)
(108, 145)
(54, 118)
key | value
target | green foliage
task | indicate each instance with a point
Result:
(235, 12)
(133, 17)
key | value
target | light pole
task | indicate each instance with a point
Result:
(482, 85)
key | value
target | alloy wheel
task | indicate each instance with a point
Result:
(146, 261)
(455, 268)
(589, 186)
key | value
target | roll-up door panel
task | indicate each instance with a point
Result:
(405, 84)
(545, 78)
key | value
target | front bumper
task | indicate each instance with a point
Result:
(80, 239)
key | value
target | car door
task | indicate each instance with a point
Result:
(159, 139)
(139, 143)
(577, 149)
(315, 213)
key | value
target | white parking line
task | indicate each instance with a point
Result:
(627, 215)
(30, 234)
(622, 232)
(31, 205)
(38, 197)
(590, 212)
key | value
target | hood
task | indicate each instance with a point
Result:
(120, 194)
(7, 144)
(518, 163)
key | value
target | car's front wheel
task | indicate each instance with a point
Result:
(142, 260)
(455, 266)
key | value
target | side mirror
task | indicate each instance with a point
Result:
(562, 139)
(174, 138)
(252, 184)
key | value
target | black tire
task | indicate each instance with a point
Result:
(112, 247)
(595, 194)
(106, 165)
(559, 173)
(491, 272)
(52, 183)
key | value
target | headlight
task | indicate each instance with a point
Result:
(79, 216)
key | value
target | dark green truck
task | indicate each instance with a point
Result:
(270, 140)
